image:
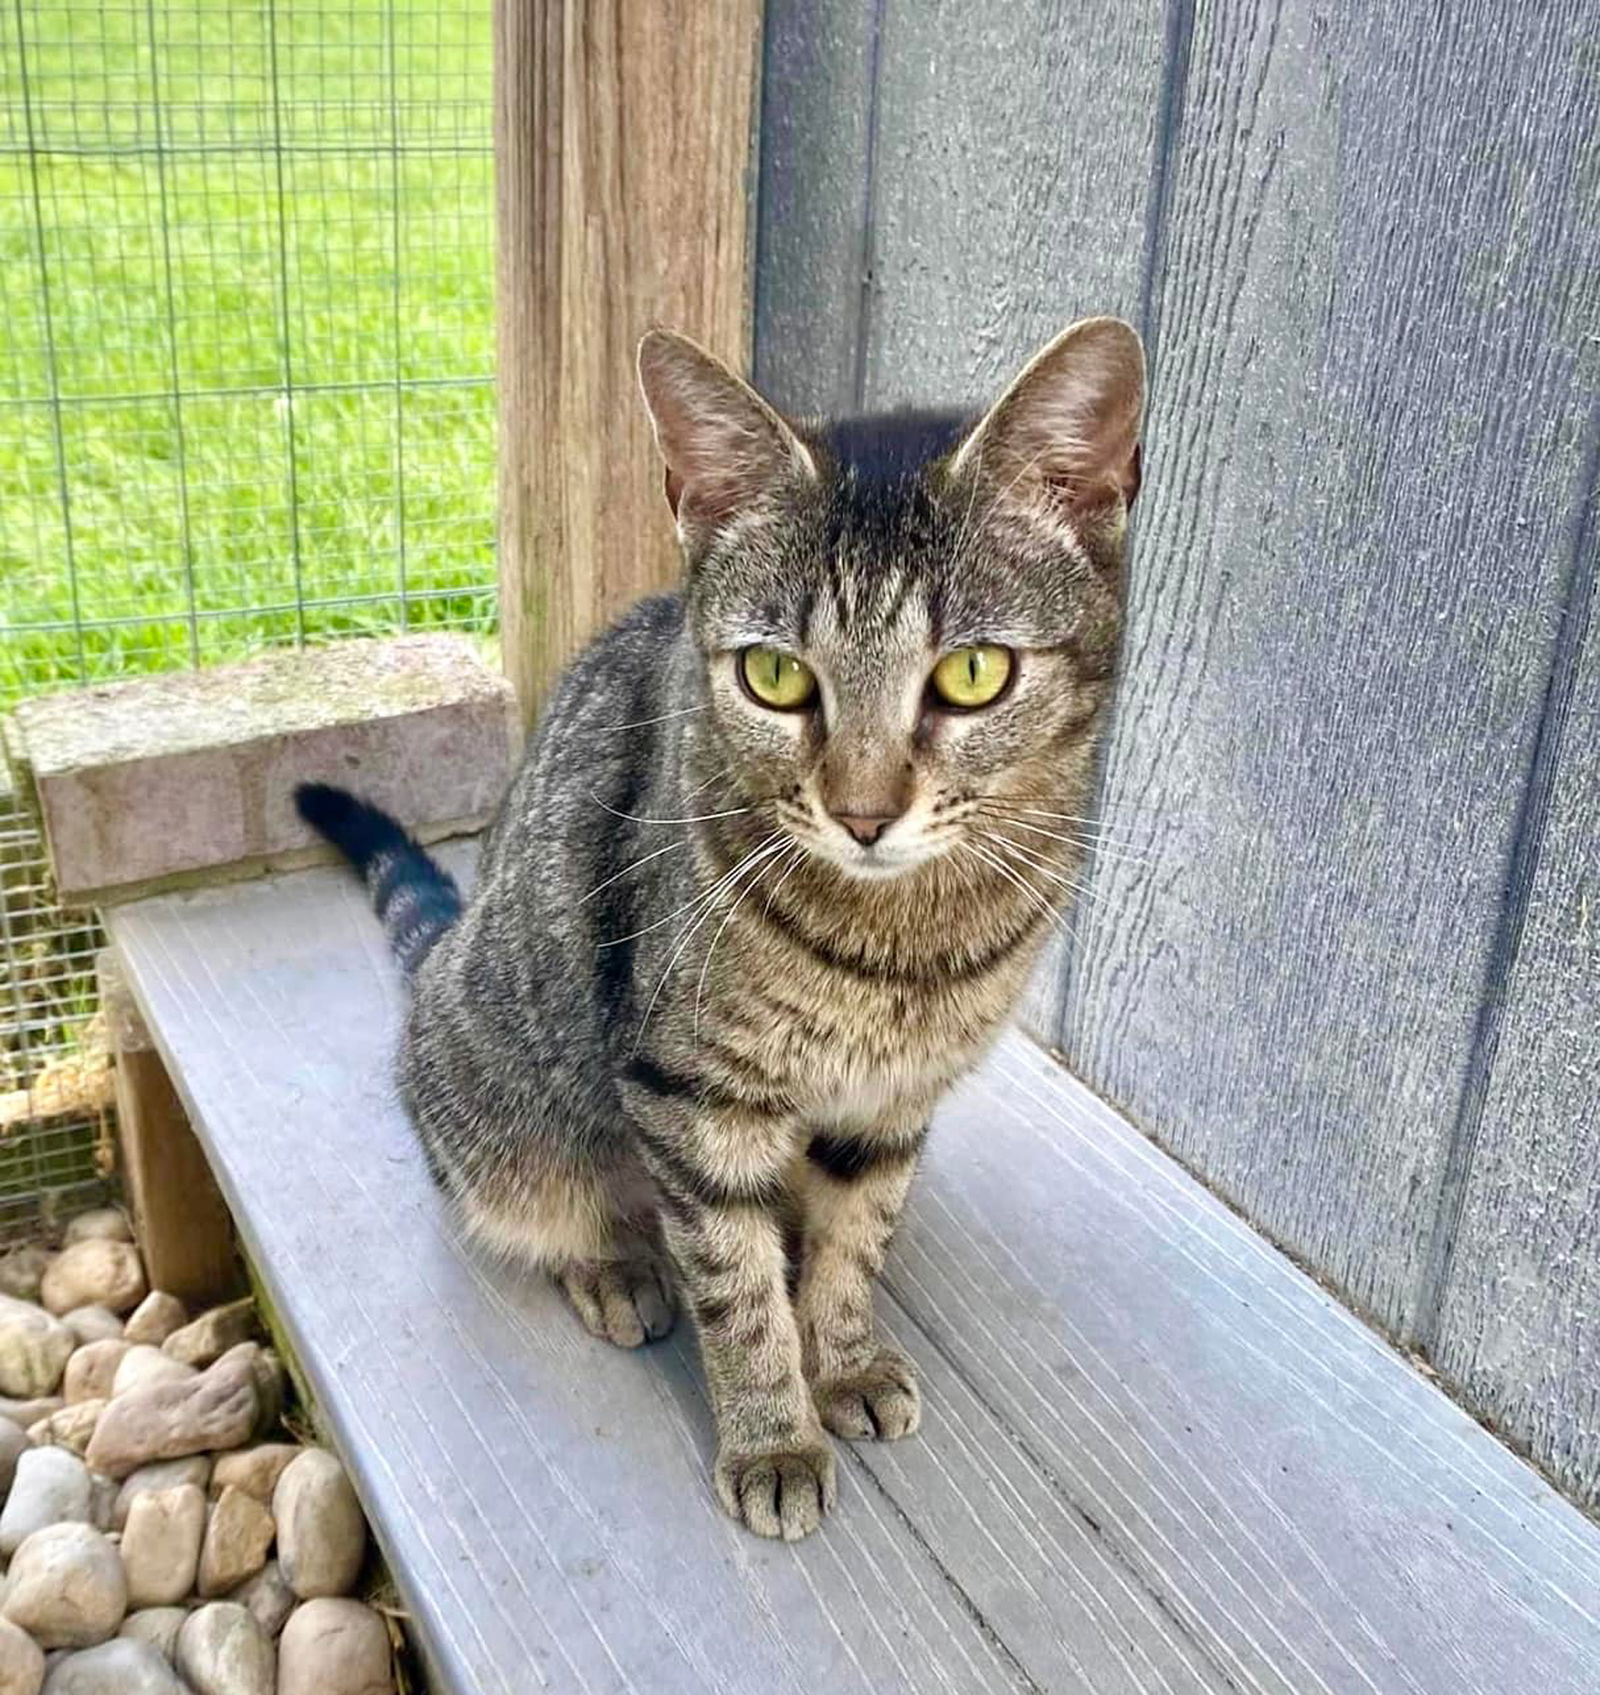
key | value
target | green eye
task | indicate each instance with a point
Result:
(972, 676)
(777, 679)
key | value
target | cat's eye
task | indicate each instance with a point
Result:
(777, 679)
(972, 676)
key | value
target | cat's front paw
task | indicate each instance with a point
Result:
(783, 1492)
(880, 1401)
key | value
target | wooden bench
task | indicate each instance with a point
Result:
(1155, 1456)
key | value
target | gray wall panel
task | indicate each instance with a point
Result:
(1520, 1325)
(1015, 154)
(812, 206)
(1364, 450)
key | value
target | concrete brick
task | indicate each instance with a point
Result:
(172, 779)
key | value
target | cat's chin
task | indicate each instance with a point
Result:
(876, 866)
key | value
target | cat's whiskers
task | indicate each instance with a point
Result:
(639, 723)
(716, 777)
(1015, 809)
(1093, 846)
(723, 884)
(755, 883)
(1081, 891)
(772, 893)
(1052, 914)
(671, 847)
(700, 899)
(698, 818)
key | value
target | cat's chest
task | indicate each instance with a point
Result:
(858, 1057)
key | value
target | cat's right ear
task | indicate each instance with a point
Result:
(726, 451)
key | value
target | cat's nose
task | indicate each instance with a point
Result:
(866, 827)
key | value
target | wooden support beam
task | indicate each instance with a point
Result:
(184, 1228)
(623, 142)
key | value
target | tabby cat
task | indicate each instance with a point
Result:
(771, 876)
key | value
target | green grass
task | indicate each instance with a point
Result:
(266, 238)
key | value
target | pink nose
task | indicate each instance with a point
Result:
(866, 827)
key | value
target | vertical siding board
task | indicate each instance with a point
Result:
(1015, 152)
(1363, 448)
(1519, 1325)
(814, 164)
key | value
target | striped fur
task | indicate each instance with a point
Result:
(683, 1043)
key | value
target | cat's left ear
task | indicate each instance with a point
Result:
(726, 450)
(1064, 438)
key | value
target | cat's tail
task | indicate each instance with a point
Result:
(416, 900)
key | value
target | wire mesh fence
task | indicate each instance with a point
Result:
(246, 387)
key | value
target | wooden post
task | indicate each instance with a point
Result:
(184, 1228)
(623, 143)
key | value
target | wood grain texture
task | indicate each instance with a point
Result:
(1015, 155)
(1519, 1327)
(1374, 308)
(622, 140)
(179, 1216)
(813, 203)
(1155, 1459)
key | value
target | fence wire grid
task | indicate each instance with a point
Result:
(246, 395)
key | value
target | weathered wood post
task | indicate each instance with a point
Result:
(623, 169)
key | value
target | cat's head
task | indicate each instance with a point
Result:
(906, 619)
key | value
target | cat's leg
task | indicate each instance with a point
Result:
(854, 1187)
(623, 1292)
(586, 1226)
(724, 1198)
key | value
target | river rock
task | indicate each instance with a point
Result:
(34, 1349)
(22, 1270)
(121, 1666)
(71, 1427)
(161, 1545)
(92, 1371)
(25, 1414)
(144, 1363)
(155, 1318)
(269, 1598)
(223, 1651)
(66, 1587)
(210, 1336)
(333, 1647)
(102, 1224)
(165, 1421)
(164, 1474)
(254, 1470)
(270, 1379)
(322, 1535)
(156, 1626)
(239, 1534)
(51, 1487)
(21, 1661)
(94, 1273)
(13, 1445)
(102, 1501)
(93, 1324)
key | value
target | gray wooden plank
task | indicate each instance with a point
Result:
(1155, 1458)
(818, 59)
(1375, 314)
(1308, 1513)
(1519, 1327)
(1015, 153)
(543, 1501)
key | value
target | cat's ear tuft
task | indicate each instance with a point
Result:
(726, 451)
(1064, 438)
